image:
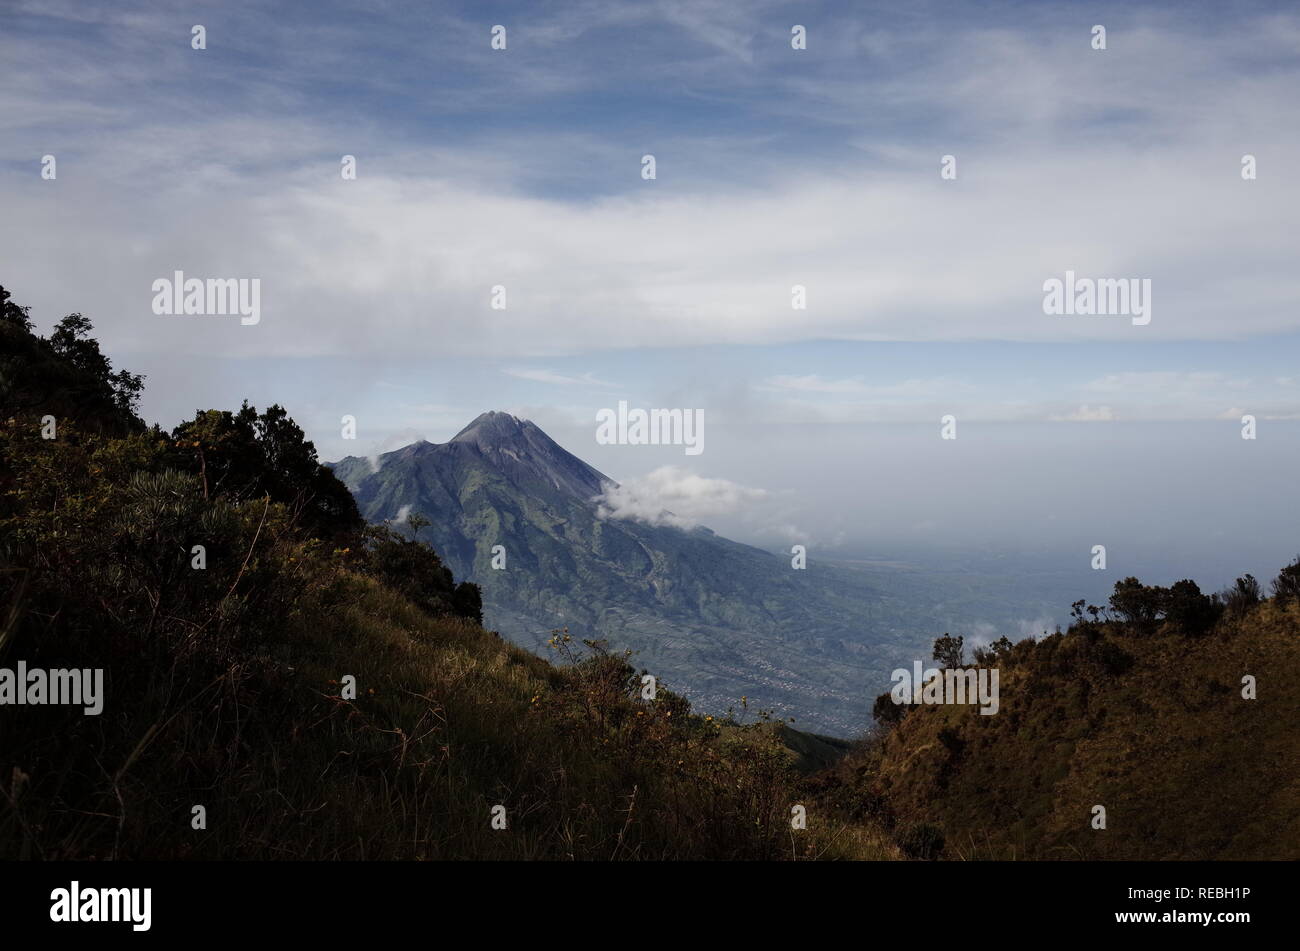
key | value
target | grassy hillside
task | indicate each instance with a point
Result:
(1149, 723)
(234, 602)
(448, 722)
(326, 690)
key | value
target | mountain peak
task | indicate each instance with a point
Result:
(493, 428)
(519, 448)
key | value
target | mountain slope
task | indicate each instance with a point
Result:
(1152, 726)
(718, 619)
(315, 687)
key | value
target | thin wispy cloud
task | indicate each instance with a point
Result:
(1088, 414)
(558, 379)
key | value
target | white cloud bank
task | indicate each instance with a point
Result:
(1087, 414)
(1122, 164)
(674, 496)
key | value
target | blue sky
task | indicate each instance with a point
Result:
(775, 167)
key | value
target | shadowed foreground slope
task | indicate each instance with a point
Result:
(322, 690)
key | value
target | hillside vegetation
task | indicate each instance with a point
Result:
(325, 689)
(1140, 708)
(227, 685)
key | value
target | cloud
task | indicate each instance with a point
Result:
(856, 386)
(1270, 413)
(560, 379)
(388, 443)
(674, 496)
(1087, 414)
(594, 259)
(1050, 395)
(700, 272)
(1036, 627)
(1190, 383)
(813, 383)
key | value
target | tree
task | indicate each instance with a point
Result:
(72, 341)
(997, 654)
(65, 376)
(1136, 603)
(948, 651)
(247, 455)
(12, 314)
(1187, 609)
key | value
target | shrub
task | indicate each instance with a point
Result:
(886, 712)
(1286, 586)
(920, 840)
(413, 570)
(1241, 597)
